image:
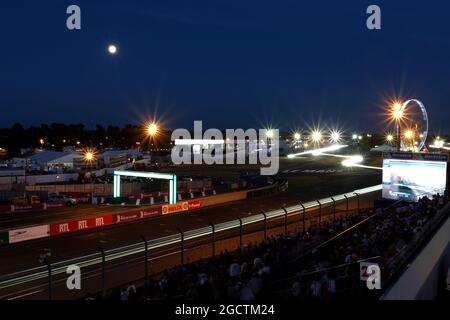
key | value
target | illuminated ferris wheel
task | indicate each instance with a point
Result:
(413, 125)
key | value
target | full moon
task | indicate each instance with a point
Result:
(112, 49)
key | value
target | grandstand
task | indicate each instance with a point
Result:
(322, 262)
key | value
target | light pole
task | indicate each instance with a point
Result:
(397, 113)
(316, 137)
(269, 135)
(152, 131)
(89, 157)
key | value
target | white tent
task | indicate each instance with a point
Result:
(65, 160)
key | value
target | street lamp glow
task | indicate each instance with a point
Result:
(354, 136)
(269, 134)
(438, 143)
(335, 136)
(297, 136)
(397, 111)
(112, 49)
(389, 138)
(152, 129)
(409, 134)
(89, 156)
(316, 136)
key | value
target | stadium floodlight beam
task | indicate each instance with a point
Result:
(335, 136)
(409, 134)
(152, 129)
(389, 138)
(150, 175)
(316, 136)
(397, 111)
(89, 156)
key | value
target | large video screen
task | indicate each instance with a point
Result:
(412, 179)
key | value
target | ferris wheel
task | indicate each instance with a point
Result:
(413, 125)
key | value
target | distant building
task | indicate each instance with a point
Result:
(115, 158)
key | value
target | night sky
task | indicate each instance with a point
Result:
(230, 63)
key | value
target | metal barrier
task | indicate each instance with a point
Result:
(100, 258)
(391, 268)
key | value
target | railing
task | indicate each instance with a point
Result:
(101, 258)
(393, 266)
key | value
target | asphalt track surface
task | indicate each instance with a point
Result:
(329, 180)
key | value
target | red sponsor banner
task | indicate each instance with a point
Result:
(80, 225)
(172, 208)
(151, 212)
(194, 204)
(126, 216)
(137, 214)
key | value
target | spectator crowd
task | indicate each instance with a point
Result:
(285, 266)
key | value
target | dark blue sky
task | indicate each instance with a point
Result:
(229, 63)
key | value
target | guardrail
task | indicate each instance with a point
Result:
(100, 258)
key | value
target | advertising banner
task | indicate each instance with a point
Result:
(151, 212)
(30, 233)
(417, 156)
(194, 204)
(137, 214)
(126, 216)
(79, 225)
(172, 208)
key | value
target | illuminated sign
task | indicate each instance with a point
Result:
(150, 175)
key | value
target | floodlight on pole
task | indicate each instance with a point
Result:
(89, 157)
(316, 136)
(335, 136)
(397, 113)
(409, 134)
(152, 129)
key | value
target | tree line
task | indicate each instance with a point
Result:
(57, 136)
